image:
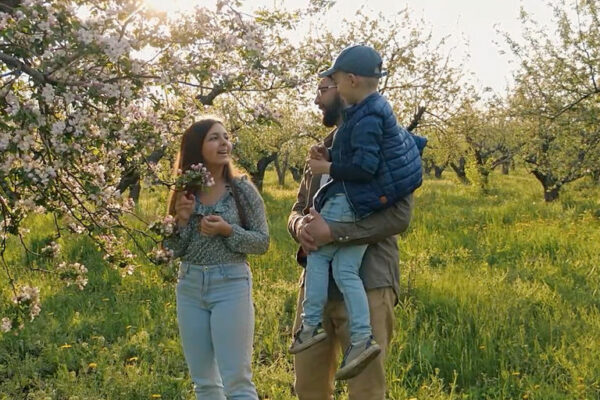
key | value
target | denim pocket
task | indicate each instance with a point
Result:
(236, 271)
(182, 271)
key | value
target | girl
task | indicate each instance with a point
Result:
(216, 229)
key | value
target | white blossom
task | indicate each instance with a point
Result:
(48, 93)
(58, 128)
(6, 325)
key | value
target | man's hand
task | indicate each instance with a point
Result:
(304, 237)
(319, 166)
(313, 231)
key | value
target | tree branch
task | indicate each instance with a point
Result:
(36, 75)
(416, 119)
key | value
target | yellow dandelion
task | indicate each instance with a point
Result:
(482, 347)
(66, 346)
(128, 327)
(92, 365)
(156, 396)
(516, 373)
(132, 359)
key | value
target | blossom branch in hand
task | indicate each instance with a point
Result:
(194, 179)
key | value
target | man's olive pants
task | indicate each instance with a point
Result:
(315, 367)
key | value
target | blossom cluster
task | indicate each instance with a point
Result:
(5, 325)
(116, 255)
(73, 274)
(51, 250)
(162, 255)
(29, 296)
(164, 228)
(196, 177)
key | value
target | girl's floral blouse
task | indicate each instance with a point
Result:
(193, 247)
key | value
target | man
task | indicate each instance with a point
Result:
(315, 367)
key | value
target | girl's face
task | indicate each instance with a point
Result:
(216, 149)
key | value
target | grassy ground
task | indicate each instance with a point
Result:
(500, 301)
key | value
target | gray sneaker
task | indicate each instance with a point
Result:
(357, 357)
(306, 337)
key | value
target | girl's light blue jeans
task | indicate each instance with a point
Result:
(216, 323)
(345, 262)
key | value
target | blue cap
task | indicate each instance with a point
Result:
(359, 60)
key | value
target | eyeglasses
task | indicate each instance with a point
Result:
(323, 89)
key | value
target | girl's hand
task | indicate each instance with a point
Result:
(184, 207)
(319, 166)
(212, 225)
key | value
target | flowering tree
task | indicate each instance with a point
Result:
(556, 95)
(277, 131)
(94, 94)
(424, 84)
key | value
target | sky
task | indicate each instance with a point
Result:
(466, 21)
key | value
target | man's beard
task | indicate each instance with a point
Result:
(333, 112)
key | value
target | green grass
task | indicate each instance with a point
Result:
(500, 300)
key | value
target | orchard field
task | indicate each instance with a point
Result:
(499, 301)
(500, 267)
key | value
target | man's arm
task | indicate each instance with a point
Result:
(299, 206)
(371, 229)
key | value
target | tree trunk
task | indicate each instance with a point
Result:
(281, 167)
(505, 168)
(550, 184)
(258, 176)
(131, 178)
(437, 171)
(427, 166)
(550, 194)
(459, 169)
(296, 173)
(596, 176)
(134, 191)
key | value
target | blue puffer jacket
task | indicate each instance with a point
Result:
(371, 139)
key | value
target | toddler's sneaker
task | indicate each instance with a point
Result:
(357, 357)
(306, 336)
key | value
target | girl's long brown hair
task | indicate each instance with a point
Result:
(190, 153)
